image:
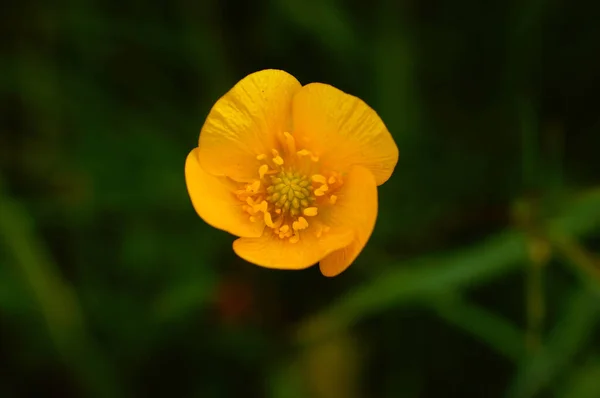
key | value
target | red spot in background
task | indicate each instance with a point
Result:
(235, 301)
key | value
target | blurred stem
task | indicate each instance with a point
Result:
(490, 328)
(539, 255)
(571, 332)
(578, 258)
(422, 278)
(56, 300)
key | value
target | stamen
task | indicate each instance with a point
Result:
(268, 220)
(319, 231)
(262, 170)
(321, 190)
(319, 178)
(260, 207)
(290, 142)
(278, 160)
(300, 224)
(310, 211)
(254, 187)
(286, 197)
(305, 152)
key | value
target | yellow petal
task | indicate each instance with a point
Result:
(272, 252)
(343, 131)
(243, 123)
(215, 202)
(356, 210)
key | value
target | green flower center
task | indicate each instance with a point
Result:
(291, 192)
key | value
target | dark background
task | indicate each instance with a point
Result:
(482, 278)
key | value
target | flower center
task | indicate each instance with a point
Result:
(288, 190)
(291, 192)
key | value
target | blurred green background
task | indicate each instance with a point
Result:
(482, 278)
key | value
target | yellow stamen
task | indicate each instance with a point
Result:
(321, 190)
(285, 234)
(295, 238)
(290, 142)
(268, 220)
(319, 231)
(331, 180)
(254, 187)
(262, 170)
(305, 152)
(278, 160)
(310, 211)
(300, 224)
(332, 199)
(262, 156)
(260, 207)
(319, 178)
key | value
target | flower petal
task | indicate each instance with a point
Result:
(215, 202)
(271, 252)
(244, 122)
(356, 210)
(343, 130)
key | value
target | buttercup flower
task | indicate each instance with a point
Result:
(292, 171)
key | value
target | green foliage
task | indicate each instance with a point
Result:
(482, 277)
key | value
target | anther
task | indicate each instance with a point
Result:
(254, 187)
(268, 220)
(260, 207)
(319, 178)
(321, 190)
(305, 152)
(310, 211)
(300, 224)
(332, 199)
(278, 160)
(262, 156)
(290, 142)
(262, 170)
(295, 238)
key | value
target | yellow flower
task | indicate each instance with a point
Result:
(292, 170)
